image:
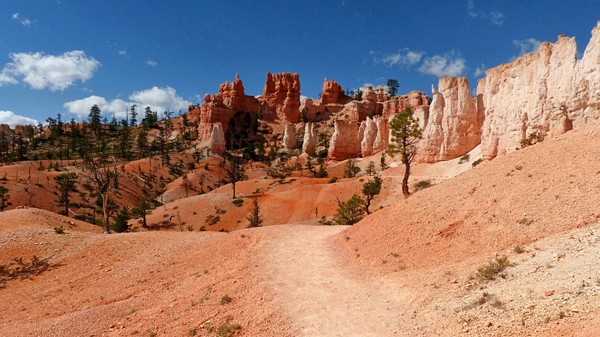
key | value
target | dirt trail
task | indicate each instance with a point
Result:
(319, 294)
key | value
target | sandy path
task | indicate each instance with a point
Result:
(319, 294)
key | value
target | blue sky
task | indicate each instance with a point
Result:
(62, 56)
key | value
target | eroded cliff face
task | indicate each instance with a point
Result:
(547, 92)
(282, 96)
(454, 124)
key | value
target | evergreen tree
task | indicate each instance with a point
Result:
(349, 212)
(370, 190)
(351, 170)
(133, 116)
(392, 87)
(95, 120)
(370, 170)
(4, 197)
(66, 184)
(255, 219)
(121, 221)
(406, 132)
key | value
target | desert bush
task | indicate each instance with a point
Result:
(226, 300)
(477, 162)
(464, 158)
(212, 219)
(421, 185)
(59, 230)
(238, 202)
(532, 139)
(491, 270)
(227, 329)
(332, 180)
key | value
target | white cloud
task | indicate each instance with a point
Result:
(122, 52)
(22, 20)
(527, 45)
(480, 70)
(448, 64)
(404, 57)
(158, 99)
(53, 72)
(494, 16)
(151, 63)
(12, 119)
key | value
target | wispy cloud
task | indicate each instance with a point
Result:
(122, 52)
(158, 99)
(25, 22)
(53, 72)
(12, 119)
(480, 70)
(403, 57)
(527, 45)
(151, 63)
(494, 16)
(449, 64)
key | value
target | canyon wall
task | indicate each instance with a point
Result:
(547, 92)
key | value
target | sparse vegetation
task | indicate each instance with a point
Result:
(477, 162)
(227, 329)
(238, 202)
(490, 271)
(349, 212)
(464, 159)
(225, 300)
(421, 185)
(532, 139)
(212, 220)
(59, 230)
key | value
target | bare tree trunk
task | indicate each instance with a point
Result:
(405, 179)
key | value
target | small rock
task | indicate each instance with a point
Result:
(548, 292)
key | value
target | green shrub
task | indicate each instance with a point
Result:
(59, 230)
(349, 212)
(238, 202)
(421, 185)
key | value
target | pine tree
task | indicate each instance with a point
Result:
(349, 212)
(406, 132)
(66, 185)
(4, 197)
(254, 218)
(370, 190)
(95, 120)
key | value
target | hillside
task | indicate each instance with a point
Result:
(405, 270)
